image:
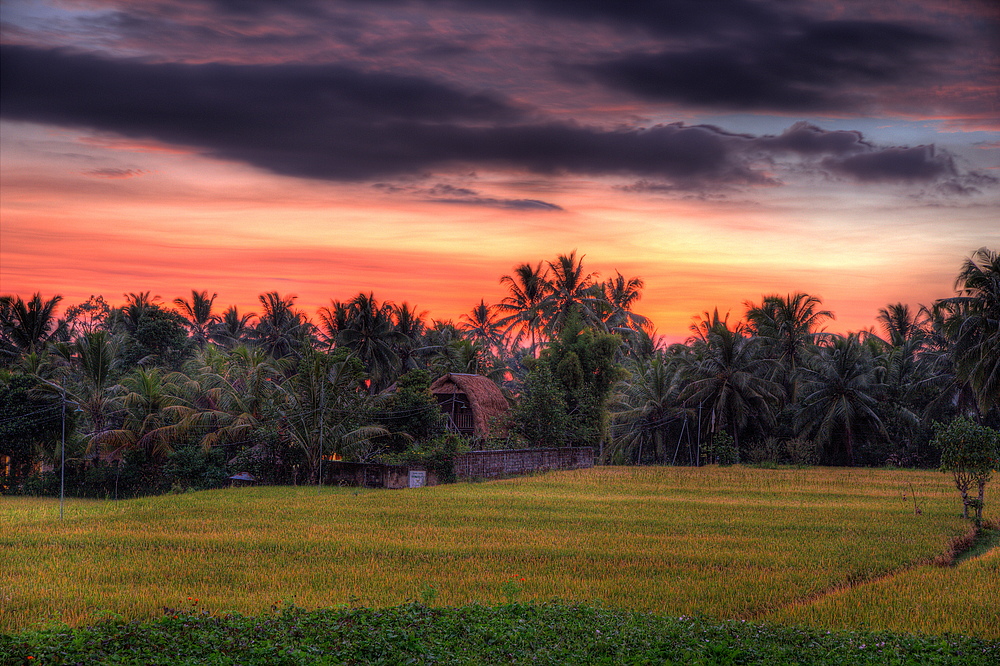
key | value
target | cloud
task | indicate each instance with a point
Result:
(828, 66)
(450, 194)
(509, 204)
(337, 123)
(115, 173)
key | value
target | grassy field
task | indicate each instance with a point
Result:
(827, 547)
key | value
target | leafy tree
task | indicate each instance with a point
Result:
(156, 336)
(89, 316)
(30, 420)
(539, 416)
(970, 452)
(582, 362)
(412, 411)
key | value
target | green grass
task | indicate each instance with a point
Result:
(727, 543)
(550, 633)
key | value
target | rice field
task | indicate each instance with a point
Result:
(827, 547)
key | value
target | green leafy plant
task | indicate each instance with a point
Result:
(970, 452)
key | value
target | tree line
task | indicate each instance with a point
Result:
(151, 391)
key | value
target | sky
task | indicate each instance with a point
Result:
(720, 150)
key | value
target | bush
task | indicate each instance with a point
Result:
(194, 468)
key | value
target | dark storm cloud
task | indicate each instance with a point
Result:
(673, 17)
(804, 138)
(336, 123)
(920, 163)
(828, 66)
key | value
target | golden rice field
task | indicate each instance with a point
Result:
(828, 547)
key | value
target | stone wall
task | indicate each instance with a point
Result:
(515, 462)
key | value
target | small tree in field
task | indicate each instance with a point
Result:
(970, 452)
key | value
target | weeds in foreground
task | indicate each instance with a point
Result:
(550, 633)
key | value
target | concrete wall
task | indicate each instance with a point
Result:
(515, 462)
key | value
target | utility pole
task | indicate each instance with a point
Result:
(62, 451)
(322, 422)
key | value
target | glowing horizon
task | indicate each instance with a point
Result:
(430, 151)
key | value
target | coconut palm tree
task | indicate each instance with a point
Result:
(729, 378)
(647, 405)
(280, 330)
(972, 324)
(319, 409)
(198, 313)
(840, 395)
(620, 293)
(409, 323)
(568, 290)
(27, 326)
(481, 326)
(523, 306)
(232, 328)
(154, 408)
(789, 326)
(371, 334)
(332, 320)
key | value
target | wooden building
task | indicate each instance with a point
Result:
(470, 401)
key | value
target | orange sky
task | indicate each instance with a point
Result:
(881, 204)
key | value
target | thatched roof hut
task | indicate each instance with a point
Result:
(470, 401)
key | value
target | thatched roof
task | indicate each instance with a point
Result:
(485, 397)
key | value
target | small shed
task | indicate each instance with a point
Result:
(470, 401)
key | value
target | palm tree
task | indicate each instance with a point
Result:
(232, 328)
(198, 313)
(840, 398)
(789, 326)
(319, 408)
(528, 289)
(973, 325)
(154, 409)
(371, 334)
(481, 326)
(570, 290)
(27, 326)
(332, 320)
(900, 325)
(619, 295)
(729, 378)
(646, 406)
(409, 323)
(135, 308)
(280, 330)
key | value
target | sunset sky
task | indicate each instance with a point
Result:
(720, 150)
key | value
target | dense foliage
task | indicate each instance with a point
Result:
(145, 380)
(970, 452)
(512, 633)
